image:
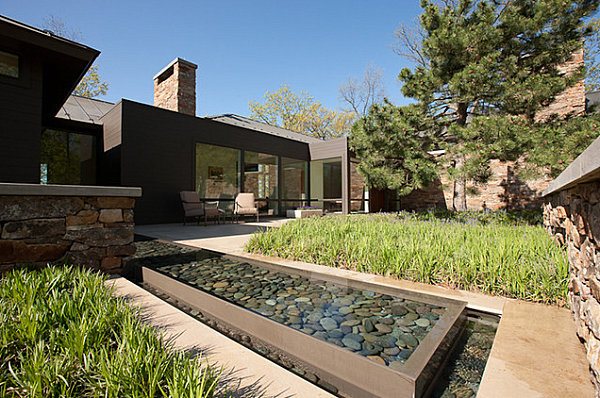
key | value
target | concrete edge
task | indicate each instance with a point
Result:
(242, 368)
(585, 168)
(19, 189)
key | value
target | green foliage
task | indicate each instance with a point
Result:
(392, 144)
(501, 217)
(92, 85)
(591, 55)
(64, 335)
(495, 257)
(301, 113)
(553, 146)
(484, 68)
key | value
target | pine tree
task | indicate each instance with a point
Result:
(482, 58)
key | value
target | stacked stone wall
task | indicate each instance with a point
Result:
(504, 190)
(95, 232)
(572, 217)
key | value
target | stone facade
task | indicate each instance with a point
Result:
(572, 217)
(175, 87)
(570, 102)
(504, 190)
(92, 231)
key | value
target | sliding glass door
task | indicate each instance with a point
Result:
(217, 172)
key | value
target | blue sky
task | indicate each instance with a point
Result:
(242, 48)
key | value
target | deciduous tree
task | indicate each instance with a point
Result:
(361, 94)
(301, 113)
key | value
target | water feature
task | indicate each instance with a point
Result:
(386, 328)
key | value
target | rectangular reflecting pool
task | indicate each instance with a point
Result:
(355, 339)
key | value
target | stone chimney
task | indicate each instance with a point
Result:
(175, 87)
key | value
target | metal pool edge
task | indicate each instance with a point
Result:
(353, 374)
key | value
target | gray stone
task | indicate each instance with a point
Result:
(34, 229)
(328, 323)
(422, 322)
(14, 208)
(351, 343)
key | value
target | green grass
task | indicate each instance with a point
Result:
(62, 334)
(497, 257)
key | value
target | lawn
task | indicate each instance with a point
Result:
(492, 254)
(63, 334)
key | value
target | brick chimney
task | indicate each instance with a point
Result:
(175, 87)
(570, 102)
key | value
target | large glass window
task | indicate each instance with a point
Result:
(217, 171)
(294, 181)
(9, 65)
(67, 158)
(260, 178)
(326, 183)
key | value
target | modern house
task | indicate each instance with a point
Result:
(51, 137)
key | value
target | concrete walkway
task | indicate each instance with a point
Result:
(536, 352)
(246, 373)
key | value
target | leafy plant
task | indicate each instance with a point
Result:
(63, 334)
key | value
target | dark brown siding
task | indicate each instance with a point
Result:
(21, 119)
(157, 154)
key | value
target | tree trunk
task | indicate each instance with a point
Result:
(459, 194)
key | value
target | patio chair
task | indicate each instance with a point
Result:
(226, 207)
(245, 205)
(193, 207)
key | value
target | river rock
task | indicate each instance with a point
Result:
(328, 323)
(351, 343)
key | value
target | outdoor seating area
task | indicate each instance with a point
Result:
(218, 211)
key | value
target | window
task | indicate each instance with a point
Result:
(294, 181)
(326, 183)
(9, 65)
(217, 171)
(67, 158)
(260, 178)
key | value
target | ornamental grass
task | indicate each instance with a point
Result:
(63, 334)
(500, 256)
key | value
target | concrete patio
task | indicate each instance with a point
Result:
(536, 352)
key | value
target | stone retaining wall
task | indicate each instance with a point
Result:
(92, 227)
(572, 217)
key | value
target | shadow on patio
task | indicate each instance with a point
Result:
(228, 238)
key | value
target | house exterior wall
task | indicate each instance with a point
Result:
(21, 118)
(158, 154)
